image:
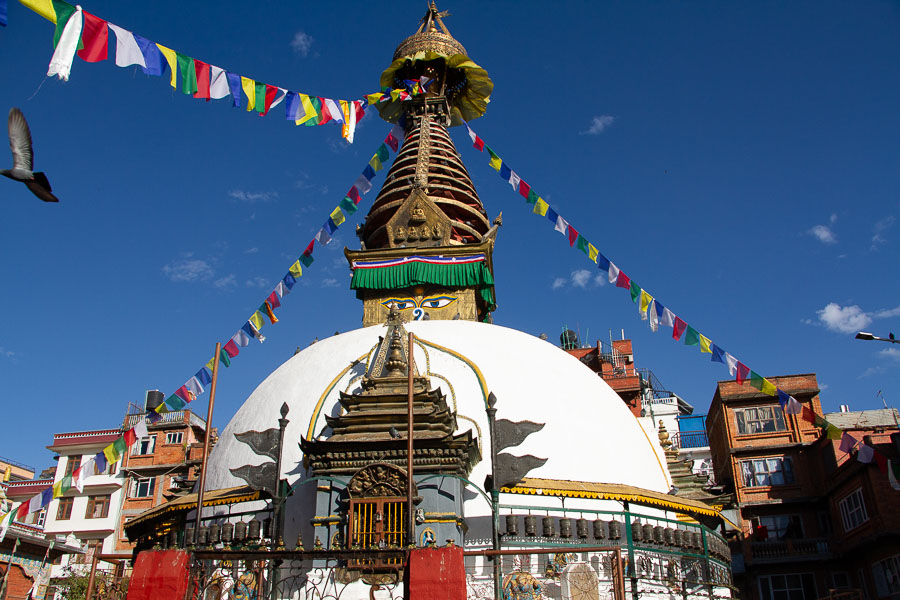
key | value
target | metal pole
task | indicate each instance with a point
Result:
(209, 416)
(278, 510)
(90, 589)
(495, 503)
(411, 519)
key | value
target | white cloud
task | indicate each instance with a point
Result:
(4, 353)
(880, 228)
(330, 283)
(844, 319)
(823, 233)
(226, 283)
(887, 313)
(302, 43)
(253, 197)
(188, 270)
(599, 124)
(252, 250)
(259, 282)
(580, 278)
(891, 353)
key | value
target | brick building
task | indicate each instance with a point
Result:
(808, 512)
(26, 558)
(615, 364)
(160, 466)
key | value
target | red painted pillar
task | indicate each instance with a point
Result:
(436, 574)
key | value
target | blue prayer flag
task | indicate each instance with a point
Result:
(369, 172)
(153, 58)
(505, 172)
(3, 12)
(718, 355)
(783, 398)
(602, 261)
(100, 461)
(234, 84)
(289, 281)
(292, 106)
(552, 215)
(203, 376)
(47, 495)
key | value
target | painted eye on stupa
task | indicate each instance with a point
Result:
(400, 303)
(438, 301)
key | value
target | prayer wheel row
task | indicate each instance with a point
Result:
(583, 528)
(227, 533)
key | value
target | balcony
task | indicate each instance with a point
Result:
(690, 439)
(177, 416)
(790, 550)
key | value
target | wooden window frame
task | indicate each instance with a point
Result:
(64, 508)
(388, 525)
(72, 463)
(93, 503)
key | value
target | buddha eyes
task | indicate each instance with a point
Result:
(408, 303)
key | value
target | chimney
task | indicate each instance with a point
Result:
(845, 408)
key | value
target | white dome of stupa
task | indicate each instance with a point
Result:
(589, 433)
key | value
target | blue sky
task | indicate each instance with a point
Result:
(737, 160)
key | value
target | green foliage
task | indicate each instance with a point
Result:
(74, 583)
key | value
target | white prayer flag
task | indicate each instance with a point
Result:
(668, 318)
(732, 363)
(127, 50)
(562, 226)
(218, 83)
(514, 180)
(613, 272)
(654, 318)
(61, 63)
(140, 429)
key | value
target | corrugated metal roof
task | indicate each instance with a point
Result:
(864, 419)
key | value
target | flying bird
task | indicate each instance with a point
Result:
(23, 158)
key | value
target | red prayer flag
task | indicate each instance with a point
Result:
(524, 189)
(184, 394)
(573, 235)
(202, 70)
(623, 281)
(353, 194)
(808, 415)
(881, 461)
(273, 300)
(479, 144)
(231, 349)
(22, 512)
(324, 114)
(95, 38)
(130, 439)
(678, 328)
(271, 92)
(391, 141)
(309, 249)
(743, 371)
(360, 111)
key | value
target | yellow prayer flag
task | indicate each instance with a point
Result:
(592, 252)
(646, 299)
(257, 320)
(337, 216)
(376, 163)
(57, 489)
(834, 433)
(769, 388)
(41, 7)
(111, 455)
(171, 59)
(496, 162)
(395, 94)
(345, 110)
(308, 109)
(704, 344)
(374, 98)
(540, 207)
(250, 89)
(211, 364)
(296, 270)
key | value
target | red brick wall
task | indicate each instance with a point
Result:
(19, 583)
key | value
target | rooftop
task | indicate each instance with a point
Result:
(864, 419)
(84, 438)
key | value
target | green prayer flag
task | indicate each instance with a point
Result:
(756, 380)
(120, 446)
(532, 197)
(260, 105)
(383, 154)
(306, 259)
(582, 244)
(834, 433)
(66, 484)
(317, 105)
(348, 206)
(64, 11)
(820, 422)
(224, 358)
(635, 292)
(188, 73)
(691, 337)
(175, 403)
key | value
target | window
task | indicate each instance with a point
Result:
(145, 445)
(91, 548)
(887, 576)
(853, 510)
(767, 471)
(64, 511)
(143, 488)
(796, 586)
(378, 523)
(72, 463)
(175, 437)
(97, 507)
(782, 527)
(760, 419)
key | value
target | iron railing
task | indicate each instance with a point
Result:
(690, 439)
(176, 416)
(780, 550)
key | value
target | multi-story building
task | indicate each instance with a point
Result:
(92, 515)
(159, 466)
(11, 470)
(27, 554)
(808, 513)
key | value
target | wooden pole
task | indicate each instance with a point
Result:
(411, 519)
(89, 594)
(209, 416)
